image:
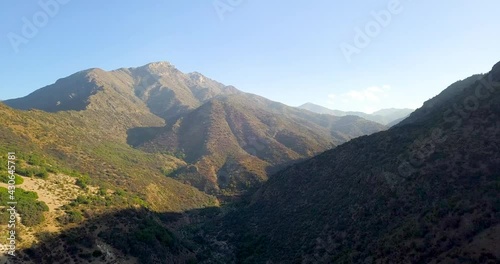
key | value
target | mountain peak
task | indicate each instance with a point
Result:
(196, 76)
(159, 68)
(159, 64)
(306, 104)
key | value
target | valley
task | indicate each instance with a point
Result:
(152, 165)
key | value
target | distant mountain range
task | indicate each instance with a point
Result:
(387, 117)
(229, 139)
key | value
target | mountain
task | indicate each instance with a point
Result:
(323, 110)
(391, 115)
(102, 158)
(397, 121)
(233, 142)
(169, 93)
(156, 88)
(229, 139)
(383, 116)
(422, 192)
(443, 98)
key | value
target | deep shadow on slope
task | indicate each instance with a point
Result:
(418, 193)
(137, 235)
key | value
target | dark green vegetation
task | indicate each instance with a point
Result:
(147, 238)
(27, 206)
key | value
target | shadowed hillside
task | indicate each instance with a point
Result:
(418, 193)
(123, 236)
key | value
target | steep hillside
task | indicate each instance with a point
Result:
(233, 142)
(390, 115)
(70, 93)
(417, 193)
(383, 116)
(74, 167)
(443, 98)
(93, 144)
(397, 121)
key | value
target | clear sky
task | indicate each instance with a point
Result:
(287, 51)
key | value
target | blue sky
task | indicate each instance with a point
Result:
(287, 51)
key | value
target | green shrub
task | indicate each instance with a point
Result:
(83, 181)
(42, 174)
(166, 171)
(152, 231)
(53, 170)
(82, 200)
(30, 209)
(32, 171)
(74, 216)
(102, 191)
(35, 160)
(4, 177)
(80, 183)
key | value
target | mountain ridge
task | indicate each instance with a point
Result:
(382, 116)
(410, 194)
(147, 106)
(258, 135)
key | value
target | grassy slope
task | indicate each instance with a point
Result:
(93, 143)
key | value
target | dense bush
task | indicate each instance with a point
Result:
(32, 172)
(83, 181)
(75, 216)
(4, 177)
(30, 209)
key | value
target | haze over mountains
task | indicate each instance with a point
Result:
(389, 117)
(140, 161)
